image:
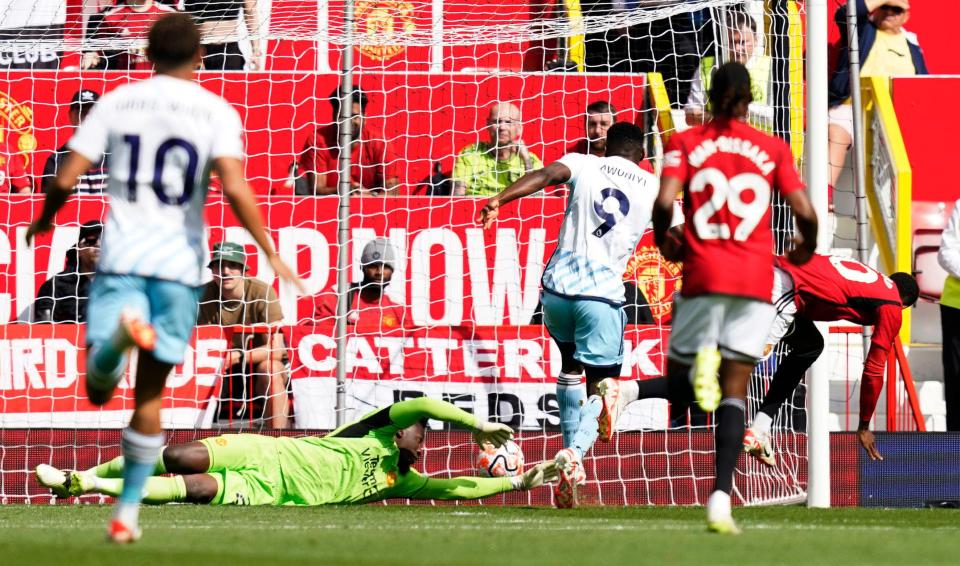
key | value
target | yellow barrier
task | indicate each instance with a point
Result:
(661, 101)
(880, 124)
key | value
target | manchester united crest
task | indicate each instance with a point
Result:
(382, 20)
(16, 125)
(656, 277)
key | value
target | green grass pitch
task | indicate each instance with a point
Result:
(492, 536)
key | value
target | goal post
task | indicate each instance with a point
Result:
(460, 321)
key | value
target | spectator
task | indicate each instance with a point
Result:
(600, 116)
(129, 20)
(368, 303)
(485, 169)
(373, 165)
(93, 181)
(232, 299)
(741, 47)
(886, 50)
(949, 258)
(219, 20)
(63, 297)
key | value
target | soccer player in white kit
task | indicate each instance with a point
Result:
(162, 137)
(609, 208)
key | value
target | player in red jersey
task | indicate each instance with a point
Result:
(831, 288)
(727, 171)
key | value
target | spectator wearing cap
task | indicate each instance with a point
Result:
(886, 50)
(369, 306)
(63, 297)
(233, 299)
(486, 168)
(93, 181)
(128, 20)
(373, 165)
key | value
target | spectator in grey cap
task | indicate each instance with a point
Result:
(93, 181)
(369, 306)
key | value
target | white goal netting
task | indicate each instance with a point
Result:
(458, 99)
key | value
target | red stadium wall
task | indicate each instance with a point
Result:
(931, 21)
(925, 109)
(426, 118)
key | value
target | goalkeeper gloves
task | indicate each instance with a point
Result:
(542, 473)
(492, 433)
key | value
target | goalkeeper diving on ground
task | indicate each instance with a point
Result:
(365, 461)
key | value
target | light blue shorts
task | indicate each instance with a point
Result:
(595, 328)
(169, 306)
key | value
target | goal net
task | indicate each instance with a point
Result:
(458, 100)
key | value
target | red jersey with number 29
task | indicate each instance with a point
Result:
(729, 171)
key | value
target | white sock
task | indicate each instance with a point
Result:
(127, 513)
(629, 391)
(761, 423)
(718, 506)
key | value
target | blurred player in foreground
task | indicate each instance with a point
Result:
(609, 210)
(162, 135)
(368, 460)
(831, 288)
(727, 171)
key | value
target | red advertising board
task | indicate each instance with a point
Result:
(451, 272)
(470, 294)
(504, 371)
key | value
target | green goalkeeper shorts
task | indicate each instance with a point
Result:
(247, 467)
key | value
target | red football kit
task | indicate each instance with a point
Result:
(127, 22)
(373, 163)
(383, 315)
(729, 171)
(832, 288)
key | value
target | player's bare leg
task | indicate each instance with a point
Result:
(734, 377)
(271, 382)
(142, 442)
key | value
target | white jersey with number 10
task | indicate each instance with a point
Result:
(608, 211)
(160, 136)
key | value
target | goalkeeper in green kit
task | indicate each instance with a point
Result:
(368, 460)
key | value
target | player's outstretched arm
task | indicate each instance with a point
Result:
(476, 488)
(406, 413)
(806, 243)
(244, 205)
(552, 174)
(59, 193)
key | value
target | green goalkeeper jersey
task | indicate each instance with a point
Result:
(358, 462)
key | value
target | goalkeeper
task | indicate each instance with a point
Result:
(369, 460)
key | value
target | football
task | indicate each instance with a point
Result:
(500, 462)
